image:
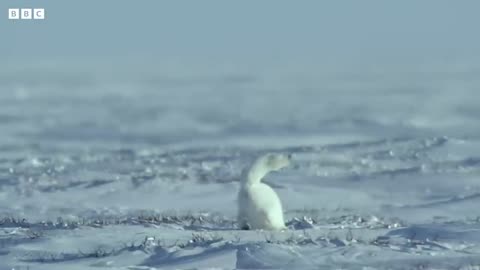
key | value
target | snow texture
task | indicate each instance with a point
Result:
(101, 169)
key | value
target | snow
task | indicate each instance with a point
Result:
(142, 171)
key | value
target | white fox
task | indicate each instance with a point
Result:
(259, 207)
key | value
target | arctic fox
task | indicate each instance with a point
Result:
(258, 205)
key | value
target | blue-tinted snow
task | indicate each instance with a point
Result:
(121, 147)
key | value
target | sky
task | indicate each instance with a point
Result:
(251, 32)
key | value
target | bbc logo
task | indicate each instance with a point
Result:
(26, 13)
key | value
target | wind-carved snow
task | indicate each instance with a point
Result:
(145, 179)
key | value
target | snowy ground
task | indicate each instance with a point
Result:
(101, 170)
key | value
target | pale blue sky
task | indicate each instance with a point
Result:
(244, 30)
